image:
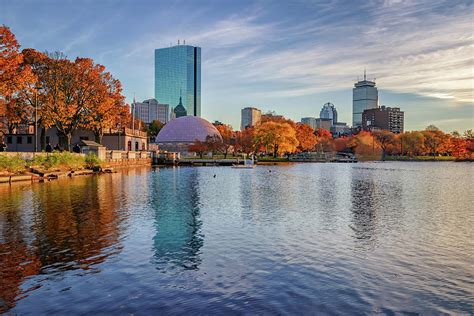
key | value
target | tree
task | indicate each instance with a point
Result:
(364, 144)
(245, 141)
(305, 136)
(199, 148)
(277, 137)
(154, 128)
(413, 142)
(384, 138)
(214, 144)
(324, 140)
(434, 140)
(227, 137)
(15, 76)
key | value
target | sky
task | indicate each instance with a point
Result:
(287, 56)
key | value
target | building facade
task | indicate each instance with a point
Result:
(386, 118)
(310, 121)
(323, 123)
(364, 96)
(151, 110)
(114, 139)
(250, 117)
(329, 112)
(178, 74)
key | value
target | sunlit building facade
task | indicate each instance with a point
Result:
(250, 117)
(151, 110)
(364, 96)
(178, 74)
(310, 121)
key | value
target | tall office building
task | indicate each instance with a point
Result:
(329, 112)
(250, 117)
(364, 96)
(178, 74)
(151, 110)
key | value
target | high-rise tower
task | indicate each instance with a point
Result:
(364, 96)
(178, 72)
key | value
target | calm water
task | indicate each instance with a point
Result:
(302, 239)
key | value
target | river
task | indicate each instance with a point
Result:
(394, 237)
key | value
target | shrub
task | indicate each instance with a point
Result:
(56, 160)
(92, 161)
(12, 164)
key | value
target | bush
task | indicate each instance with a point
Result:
(56, 160)
(92, 161)
(13, 164)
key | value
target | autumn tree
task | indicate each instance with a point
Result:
(245, 141)
(277, 137)
(435, 140)
(199, 148)
(412, 142)
(214, 144)
(384, 139)
(305, 136)
(15, 76)
(227, 137)
(324, 140)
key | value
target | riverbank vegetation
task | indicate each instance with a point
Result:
(68, 94)
(56, 161)
(279, 137)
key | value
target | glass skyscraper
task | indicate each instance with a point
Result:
(364, 96)
(178, 74)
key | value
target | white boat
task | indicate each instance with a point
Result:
(247, 165)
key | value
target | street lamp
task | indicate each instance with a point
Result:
(36, 88)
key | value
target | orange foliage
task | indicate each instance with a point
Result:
(306, 138)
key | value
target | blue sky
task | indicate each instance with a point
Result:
(288, 56)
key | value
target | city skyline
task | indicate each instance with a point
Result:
(291, 61)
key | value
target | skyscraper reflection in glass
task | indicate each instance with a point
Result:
(178, 73)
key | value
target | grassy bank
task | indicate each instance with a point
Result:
(420, 158)
(55, 161)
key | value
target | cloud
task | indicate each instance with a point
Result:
(420, 48)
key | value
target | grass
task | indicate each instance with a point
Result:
(12, 164)
(420, 158)
(56, 161)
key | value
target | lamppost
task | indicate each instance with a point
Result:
(36, 88)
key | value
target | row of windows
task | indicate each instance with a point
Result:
(19, 139)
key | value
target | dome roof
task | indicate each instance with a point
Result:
(186, 129)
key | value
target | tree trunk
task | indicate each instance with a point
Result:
(43, 138)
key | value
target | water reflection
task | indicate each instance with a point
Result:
(178, 238)
(363, 207)
(69, 228)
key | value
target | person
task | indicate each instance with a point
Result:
(76, 148)
(49, 148)
(3, 146)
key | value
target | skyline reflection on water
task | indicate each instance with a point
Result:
(303, 238)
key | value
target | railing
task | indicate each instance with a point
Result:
(125, 131)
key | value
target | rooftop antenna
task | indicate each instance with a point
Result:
(365, 77)
(178, 42)
(184, 42)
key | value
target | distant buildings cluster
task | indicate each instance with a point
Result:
(367, 114)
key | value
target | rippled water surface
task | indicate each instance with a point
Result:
(297, 239)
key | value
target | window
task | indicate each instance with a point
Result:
(19, 140)
(29, 139)
(9, 140)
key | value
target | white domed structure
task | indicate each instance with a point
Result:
(181, 132)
